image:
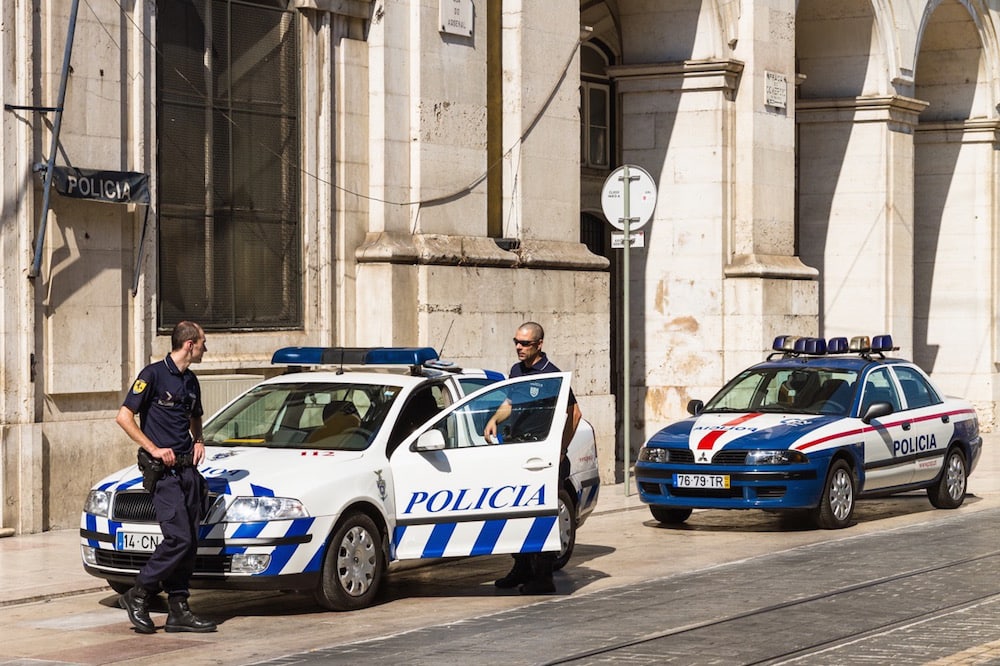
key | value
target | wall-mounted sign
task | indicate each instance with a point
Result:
(775, 90)
(456, 17)
(118, 187)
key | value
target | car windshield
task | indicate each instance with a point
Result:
(798, 390)
(343, 417)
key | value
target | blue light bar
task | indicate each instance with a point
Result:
(882, 343)
(353, 355)
(494, 375)
(810, 346)
(836, 346)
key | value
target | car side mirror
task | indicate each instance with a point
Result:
(695, 407)
(432, 440)
(876, 411)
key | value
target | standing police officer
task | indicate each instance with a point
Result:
(167, 398)
(532, 572)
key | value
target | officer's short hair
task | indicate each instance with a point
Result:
(535, 328)
(184, 331)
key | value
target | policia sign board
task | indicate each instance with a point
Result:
(117, 187)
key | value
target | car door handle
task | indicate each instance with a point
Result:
(907, 425)
(945, 419)
(536, 464)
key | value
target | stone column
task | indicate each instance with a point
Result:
(856, 212)
(768, 289)
(21, 460)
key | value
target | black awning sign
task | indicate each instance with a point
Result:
(118, 187)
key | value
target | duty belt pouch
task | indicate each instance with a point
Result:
(151, 468)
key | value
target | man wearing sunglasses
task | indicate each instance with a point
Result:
(532, 572)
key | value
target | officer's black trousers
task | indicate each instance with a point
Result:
(177, 502)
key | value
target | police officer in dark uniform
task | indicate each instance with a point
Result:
(167, 398)
(532, 573)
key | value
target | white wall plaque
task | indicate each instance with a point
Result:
(456, 17)
(776, 90)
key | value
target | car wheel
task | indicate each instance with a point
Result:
(836, 506)
(352, 566)
(567, 528)
(669, 516)
(948, 492)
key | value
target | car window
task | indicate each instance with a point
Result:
(303, 415)
(916, 389)
(799, 389)
(420, 407)
(879, 388)
(473, 384)
(531, 418)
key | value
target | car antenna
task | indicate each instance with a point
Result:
(445, 341)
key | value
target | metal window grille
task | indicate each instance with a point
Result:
(229, 241)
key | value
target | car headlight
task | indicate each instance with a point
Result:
(258, 509)
(780, 457)
(98, 503)
(654, 455)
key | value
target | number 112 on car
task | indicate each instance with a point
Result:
(720, 481)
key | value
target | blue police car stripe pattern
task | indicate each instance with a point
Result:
(526, 535)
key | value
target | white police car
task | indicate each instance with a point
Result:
(320, 479)
(814, 427)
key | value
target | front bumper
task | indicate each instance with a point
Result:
(772, 487)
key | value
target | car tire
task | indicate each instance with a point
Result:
(669, 516)
(353, 565)
(948, 491)
(567, 528)
(836, 504)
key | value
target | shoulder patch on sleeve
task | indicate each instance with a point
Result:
(139, 386)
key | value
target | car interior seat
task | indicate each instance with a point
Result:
(338, 416)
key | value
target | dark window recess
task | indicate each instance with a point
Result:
(229, 240)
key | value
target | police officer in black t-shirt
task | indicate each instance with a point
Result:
(167, 397)
(532, 573)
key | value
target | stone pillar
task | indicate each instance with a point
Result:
(856, 212)
(955, 259)
(768, 289)
(20, 436)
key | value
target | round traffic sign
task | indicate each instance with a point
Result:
(642, 197)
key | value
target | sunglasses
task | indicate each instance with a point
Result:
(525, 343)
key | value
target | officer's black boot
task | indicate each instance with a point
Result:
(180, 617)
(135, 601)
(541, 581)
(520, 573)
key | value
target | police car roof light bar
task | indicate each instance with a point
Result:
(861, 344)
(837, 346)
(353, 355)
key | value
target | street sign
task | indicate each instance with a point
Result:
(642, 197)
(638, 239)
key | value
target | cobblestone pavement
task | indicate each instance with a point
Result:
(926, 593)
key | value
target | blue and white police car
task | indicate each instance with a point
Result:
(322, 477)
(814, 427)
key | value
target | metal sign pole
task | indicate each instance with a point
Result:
(626, 315)
(616, 201)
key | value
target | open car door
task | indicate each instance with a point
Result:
(457, 494)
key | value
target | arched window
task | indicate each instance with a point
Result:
(595, 108)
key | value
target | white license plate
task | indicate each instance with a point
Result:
(141, 542)
(710, 481)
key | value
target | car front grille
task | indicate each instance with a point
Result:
(136, 506)
(133, 506)
(204, 564)
(729, 458)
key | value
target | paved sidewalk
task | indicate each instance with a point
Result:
(34, 567)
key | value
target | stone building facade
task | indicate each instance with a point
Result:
(429, 172)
